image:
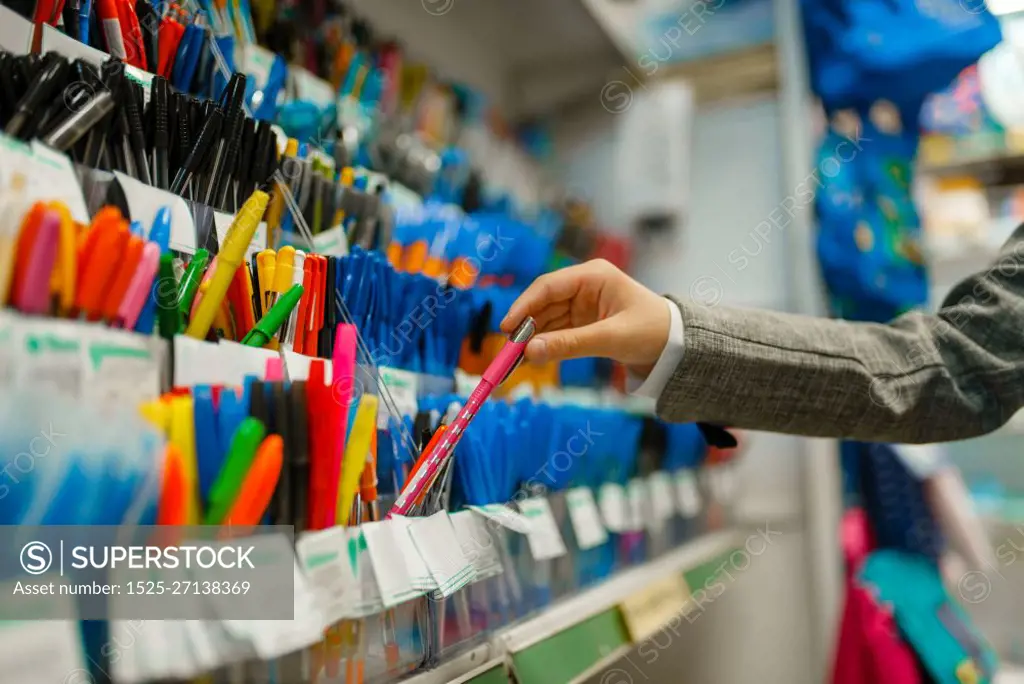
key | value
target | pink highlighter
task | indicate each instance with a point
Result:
(34, 296)
(508, 359)
(139, 287)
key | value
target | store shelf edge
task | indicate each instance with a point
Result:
(609, 594)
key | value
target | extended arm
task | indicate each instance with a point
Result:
(921, 378)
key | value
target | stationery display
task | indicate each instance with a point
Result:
(255, 302)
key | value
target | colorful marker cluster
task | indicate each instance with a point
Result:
(107, 272)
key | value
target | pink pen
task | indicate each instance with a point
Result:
(139, 287)
(497, 372)
(343, 374)
(275, 370)
(35, 295)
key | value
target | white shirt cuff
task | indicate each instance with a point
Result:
(671, 355)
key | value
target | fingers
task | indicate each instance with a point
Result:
(596, 339)
(549, 289)
(553, 317)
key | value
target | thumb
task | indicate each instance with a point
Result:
(596, 339)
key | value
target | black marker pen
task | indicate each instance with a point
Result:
(113, 81)
(136, 133)
(200, 150)
(243, 166)
(233, 95)
(161, 135)
(43, 88)
(75, 127)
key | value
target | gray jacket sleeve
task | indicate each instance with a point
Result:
(921, 378)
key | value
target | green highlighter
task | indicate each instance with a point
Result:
(169, 319)
(244, 443)
(189, 284)
(275, 318)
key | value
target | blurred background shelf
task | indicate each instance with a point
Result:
(531, 57)
(991, 154)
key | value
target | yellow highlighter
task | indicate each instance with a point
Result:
(157, 414)
(231, 255)
(266, 262)
(182, 434)
(284, 274)
(356, 451)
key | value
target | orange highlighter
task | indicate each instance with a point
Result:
(258, 487)
(126, 271)
(173, 506)
(104, 248)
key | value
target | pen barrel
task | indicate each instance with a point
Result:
(223, 182)
(216, 170)
(160, 166)
(232, 252)
(200, 324)
(136, 134)
(289, 329)
(16, 123)
(81, 122)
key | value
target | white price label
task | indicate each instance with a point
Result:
(248, 361)
(384, 544)
(50, 353)
(55, 40)
(477, 543)
(42, 651)
(614, 507)
(663, 500)
(403, 387)
(504, 516)
(222, 224)
(53, 178)
(687, 493)
(326, 564)
(15, 32)
(417, 568)
(122, 369)
(586, 518)
(145, 201)
(331, 242)
(636, 492)
(440, 549)
(544, 538)
(297, 366)
(257, 62)
(275, 638)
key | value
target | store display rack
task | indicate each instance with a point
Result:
(584, 633)
(980, 154)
